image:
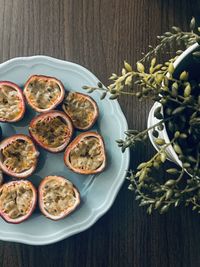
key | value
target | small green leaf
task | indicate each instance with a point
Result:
(171, 68)
(169, 194)
(123, 71)
(177, 134)
(140, 67)
(170, 183)
(187, 90)
(172, 171)
(127, 66)
(196, 54)
(164, 209)
(178, 110)
(178, 149)
(163, 157)
(153, 62)
(184, 76)
(128, 80)
(141, 165)
(160, 141)
(192, 24)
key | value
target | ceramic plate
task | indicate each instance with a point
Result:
(97, 191)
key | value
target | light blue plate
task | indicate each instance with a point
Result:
(97, 191)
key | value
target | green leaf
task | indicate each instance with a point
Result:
(140, 67)
(171, 68)
(178, 110)
(184, 76)
(164, 209)
(127, 66)
(192, 24)
(169, 194)
(163, 157)
(187, 90)
(160, 141)
(128, 80)
(170, 183)
(172, 171)
(196, 54)
(177, 149)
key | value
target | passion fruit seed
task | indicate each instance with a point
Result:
(19, 156)
(80, 109)
(51, 131)
(58, 196)
(87, 155)
(9, 103)
(43, 92)
(16, 200)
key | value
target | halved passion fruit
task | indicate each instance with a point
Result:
(82, 110)
(58, 197)
(18, 156)
(12, 105)
(86, 154)
(51, 130)
(43, 93)
(17, 201)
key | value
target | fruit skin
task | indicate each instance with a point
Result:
(73, 144)
(95, 117)
(49, 78)
(65, 214)
(22, 219)
(23, 106)
(9, 140)
(52, 113)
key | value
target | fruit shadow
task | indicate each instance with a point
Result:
(41, 159)
(29, 114)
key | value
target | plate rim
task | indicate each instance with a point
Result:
(25, 238)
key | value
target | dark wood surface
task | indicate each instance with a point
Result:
(100, 34)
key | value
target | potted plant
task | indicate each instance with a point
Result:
(173, 123)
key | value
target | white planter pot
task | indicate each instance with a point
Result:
(171, 154)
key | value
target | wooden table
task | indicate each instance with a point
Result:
(100, 34)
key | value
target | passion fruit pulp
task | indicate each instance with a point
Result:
(82, 110)
(18, 156)
(58, 197)
(86, 154)
(43, 93)
(12, 105)
(17, 201)
(51, 130)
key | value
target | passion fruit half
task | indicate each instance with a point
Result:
(12, 105)
(86, 154)
(43, 93)
(51, 130)
(58, 197)
(18, 156)
(82, 110)
(17, 201)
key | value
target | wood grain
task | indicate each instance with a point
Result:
(100, 34)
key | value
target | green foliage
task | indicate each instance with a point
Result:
(179, 112)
